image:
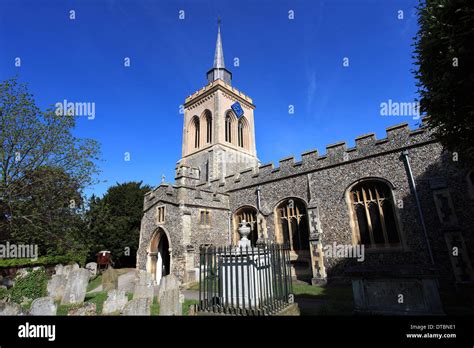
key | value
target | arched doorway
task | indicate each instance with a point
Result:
(292, 228)
(249, 214)
(159, 255)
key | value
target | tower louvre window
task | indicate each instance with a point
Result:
(241, 135)
(208, 128)
(228, 129)
(196, 131)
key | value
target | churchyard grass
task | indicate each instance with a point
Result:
(328, 292)
(323, 300)
(63, 309)
(155, 307)
(94, 283)
(187, 305)
(98, 298)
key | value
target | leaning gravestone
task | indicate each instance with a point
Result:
(109, 279)
(139, 306)
(170, 297)
(92, 267)
(76, 286)
(10, 308)
(43, 306)
(143, 285)
(56, 286)
(116, 301)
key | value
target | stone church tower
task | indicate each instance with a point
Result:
(218, 129)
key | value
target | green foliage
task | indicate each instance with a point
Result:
(44, 261)
(4, 293)
(114, 221)
(64, 309)
(444, 54)
(94, 283)
(98, 298)
(32, 286)
(155, 307)
(187, 305)
(43, 170)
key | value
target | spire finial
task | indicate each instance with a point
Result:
(219, 54)
(218, 70)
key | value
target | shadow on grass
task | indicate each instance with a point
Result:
(323, 300)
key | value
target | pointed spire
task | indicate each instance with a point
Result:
(218, 70)
(219, 53)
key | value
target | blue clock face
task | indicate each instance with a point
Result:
(237, 109)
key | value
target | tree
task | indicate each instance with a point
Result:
(114, 221)
(43, 167)
(48, 214)
(444, 53)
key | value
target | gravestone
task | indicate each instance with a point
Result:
(170, 297)
(143, 285)
(43, 306)
(69, 268)
(88, 309)
(76, 286)
(116, 301)
(92, 267)
(58, 269)
(139, 306)
(21, 273)
(56, 286)
(10, 308)
(109, 279)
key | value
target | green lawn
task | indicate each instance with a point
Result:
(328, 292)
(187, 305)
(155, 307)
(94, 283)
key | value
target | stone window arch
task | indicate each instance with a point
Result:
(230, 121)
(373, 216)
(243, 133)
(194, 132)
(249, 214)
(292, 224)
(206, 121)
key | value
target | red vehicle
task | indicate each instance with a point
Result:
(104, 260)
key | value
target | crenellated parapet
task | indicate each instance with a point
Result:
(201, 194)
(397, 138)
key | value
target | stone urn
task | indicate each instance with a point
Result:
(244, 231)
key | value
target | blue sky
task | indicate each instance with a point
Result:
(282, 62)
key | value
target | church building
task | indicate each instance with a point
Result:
(405, 200)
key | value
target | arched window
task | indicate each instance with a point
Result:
(293, 224)
(249, 214)
(243, 134)
(228, 128)
(373, 214)
(195, 131)
(208, 128)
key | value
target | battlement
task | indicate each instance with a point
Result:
(178, 194)
(216, 84)
(397, 137)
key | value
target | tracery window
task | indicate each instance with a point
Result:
(374, 214)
